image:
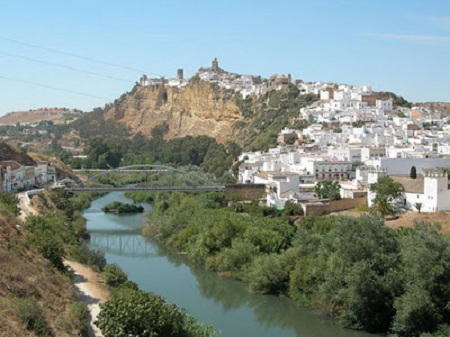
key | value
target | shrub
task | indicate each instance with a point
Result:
(137, 313)
(85, 255)
(31, 315)
(114, 275)
(79, 314)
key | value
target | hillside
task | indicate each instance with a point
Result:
(441, 109)
(35, 298)
(200, 108)
(8, 152)
(56, 116)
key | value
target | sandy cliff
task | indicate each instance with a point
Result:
(198, 109)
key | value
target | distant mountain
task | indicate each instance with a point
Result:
(54, 115)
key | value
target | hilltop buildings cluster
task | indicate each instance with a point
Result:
(355, 138)
(244, 84)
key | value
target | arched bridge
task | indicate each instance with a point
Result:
(147, 177)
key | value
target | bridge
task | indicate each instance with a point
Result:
(147, 189)
(149, 178)
(122, 242)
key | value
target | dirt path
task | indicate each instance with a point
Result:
(90, 286)
(90, 289)
(25, 206)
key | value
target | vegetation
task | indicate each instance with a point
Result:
(142, 314)
(202, 151)
(132, 312)
(9, 202)
(387, 191)
(122, 208)
(36, 298)
(413, 173)
(418, 206)
(114, 275)
(358, 270)
(328, 189)
(267, 115)
(32, 316)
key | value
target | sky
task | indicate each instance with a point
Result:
(83, 54)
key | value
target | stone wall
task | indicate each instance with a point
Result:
(321, 208)
(245, 191)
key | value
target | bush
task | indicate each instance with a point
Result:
(292, 209)
(10, 202)
(114, 275)
(31, 315)
(79, 314)
(85, 255)
(269, 274)
(137, 313)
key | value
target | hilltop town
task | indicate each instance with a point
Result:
(350, 134)
(355, 136)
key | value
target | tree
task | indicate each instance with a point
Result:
(291, 208)
(140, 314)
(413, 173)
(328, 189)
(418, 206)
(387, 191)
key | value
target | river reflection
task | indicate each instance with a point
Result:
(224, 303)
(269, 310)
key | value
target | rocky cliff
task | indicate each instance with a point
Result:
(201, 108)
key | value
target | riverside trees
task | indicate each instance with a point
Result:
(358, 270)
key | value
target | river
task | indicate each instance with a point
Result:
(226, 304)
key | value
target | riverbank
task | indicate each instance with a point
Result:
(91, 288)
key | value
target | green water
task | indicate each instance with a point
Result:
(225, 304)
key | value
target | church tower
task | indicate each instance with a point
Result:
(215, 65)
(180, 74)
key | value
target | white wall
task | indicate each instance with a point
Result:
(403, 165)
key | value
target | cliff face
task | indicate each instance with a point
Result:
(198, 109)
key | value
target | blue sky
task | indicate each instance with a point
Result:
(395, 45)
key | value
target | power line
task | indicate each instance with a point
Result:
(66, 67)
(53, 88)
(56, 51)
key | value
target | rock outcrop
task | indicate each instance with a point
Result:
(200, 108)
